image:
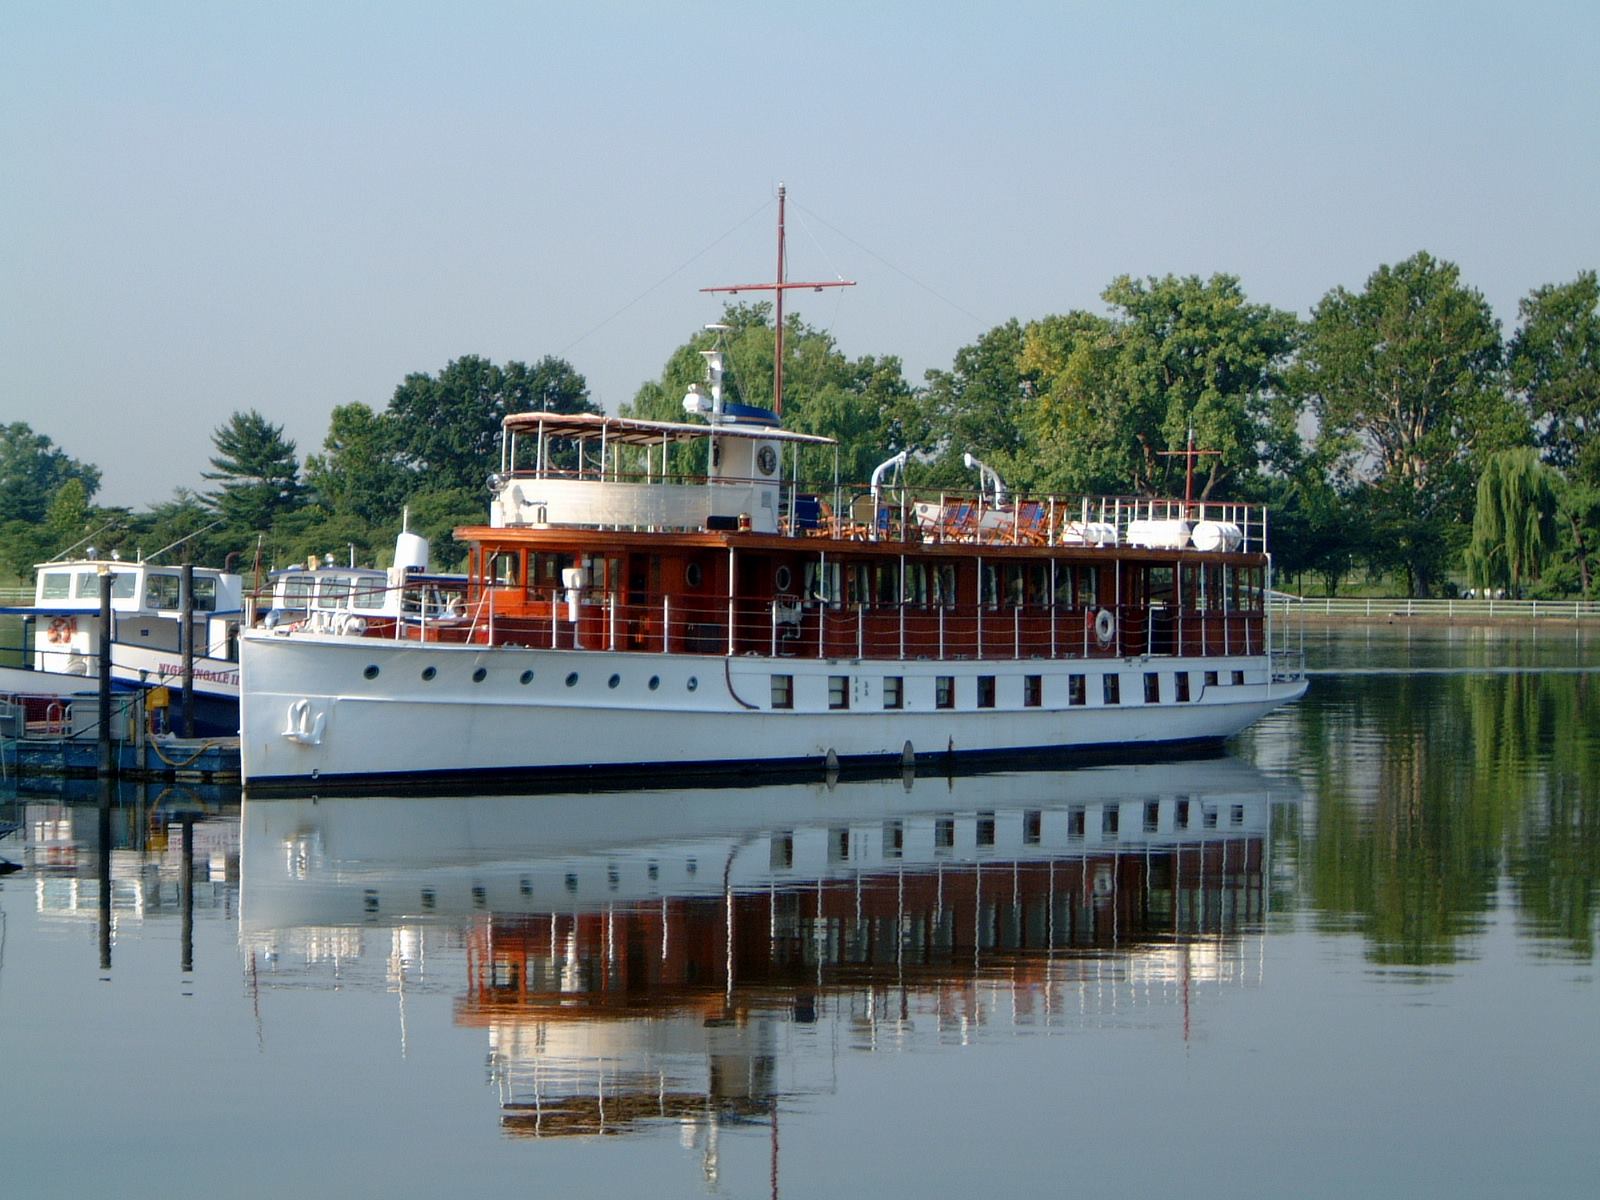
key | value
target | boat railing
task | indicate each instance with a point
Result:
(787, 626)
(912, 515)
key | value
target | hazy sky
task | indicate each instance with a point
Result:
(212, 207)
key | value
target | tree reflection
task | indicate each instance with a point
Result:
(1440, 798)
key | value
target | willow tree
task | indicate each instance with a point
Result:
(1514, 524)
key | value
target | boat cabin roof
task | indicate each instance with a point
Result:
(632, 431)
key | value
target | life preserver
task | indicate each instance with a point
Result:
(1105, 626)
(62, 629)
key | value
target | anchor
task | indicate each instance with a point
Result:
(302, 725)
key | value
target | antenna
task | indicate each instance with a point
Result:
(778, 287)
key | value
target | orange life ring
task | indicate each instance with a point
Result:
(62, 629)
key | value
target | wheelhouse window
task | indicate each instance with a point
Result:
(334, 592)
(505, 568)
(161, 591)
(56, 585)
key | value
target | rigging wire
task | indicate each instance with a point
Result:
(669, 275)
(903, 274)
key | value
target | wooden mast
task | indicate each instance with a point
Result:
(778, 287)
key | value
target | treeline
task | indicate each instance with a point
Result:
(1395, 433)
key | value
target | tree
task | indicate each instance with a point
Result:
(1555, 367)
(257, 469)
(360, 473)
(1405, 380)
(32, 470)
(1514, 524)
(448, 427)
(978, 406)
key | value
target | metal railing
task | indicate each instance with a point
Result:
(1380, 607)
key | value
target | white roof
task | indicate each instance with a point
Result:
(632, 431)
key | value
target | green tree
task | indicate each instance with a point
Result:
(447, 427)
(360, 473)
(32, 470)
(1514, 523)
(979, 406)
(1404, 378)
(1555, 367)
(257, 470)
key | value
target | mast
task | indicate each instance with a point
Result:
(780, 285)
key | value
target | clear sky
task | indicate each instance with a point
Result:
(212, 207)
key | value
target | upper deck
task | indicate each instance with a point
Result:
(594, 472)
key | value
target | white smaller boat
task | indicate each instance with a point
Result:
(63, 638)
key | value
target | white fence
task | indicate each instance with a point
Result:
(1380, 608)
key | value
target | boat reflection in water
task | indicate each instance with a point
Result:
(700, 956)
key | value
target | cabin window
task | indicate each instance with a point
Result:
(334, 592)
(1088, 587)
(505, 568)
(838, 691)
(1208, 818)
(1152, 815)
(1236, 814)
(1210, 679)
(983, 829)
(1032, 691)
(781, 579)
(368, 595)
(1075, 822)
(296, 590)
(944, 691)
(894, 691)
(822, 582)
(886, 583)
(944, 833)
(1077, 691)
(1238, 679)
(693, 576)
(56, 585)
(915, 590)
(1152, 687)
(1180, 815)
(161, 591)
(783, 691)
(1110, 820)
(1032, 827)
(989, 586)
(1111, 689)
(1016, 593)
(1180, 687)
(894, 839)
(985, 691)
(944, 585)
(1161, 586)
(544, 571)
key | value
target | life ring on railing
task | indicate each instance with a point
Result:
(1105, 627)
(62, 629)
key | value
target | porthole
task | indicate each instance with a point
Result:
(655, 682)
(527, 677)
(480, 675)
(371, 672)
(428, 673)
(613, 681)
(692, 574)
(693, 683)
(781, 579)
(572, 679)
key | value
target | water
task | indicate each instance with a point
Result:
(1354, 956)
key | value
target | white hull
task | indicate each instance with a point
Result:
(334, 711)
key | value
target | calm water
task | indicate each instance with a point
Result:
(1356, 956)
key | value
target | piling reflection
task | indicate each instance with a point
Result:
(673, 955)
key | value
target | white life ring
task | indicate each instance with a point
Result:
(1105, 627)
